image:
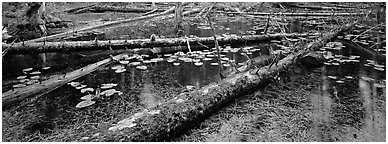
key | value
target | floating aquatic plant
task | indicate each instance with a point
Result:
(198, 63)
(88, 97)
(81, 86)
(348, 77)
(120, 70)
(108, 85)
(110, 92)
(117, 67)
(87, 89)
(340, 81)
(35, 73)
(207, 59)
(124, 62)
(21, 77)
(27, 69)
(176, 64)
(332, 77)
(226, 65)
(141, 67)
(171, 60)
(134, 63)
(85, 103)
(23, 80)
(35, 77)
(214, 64)
(46, 68)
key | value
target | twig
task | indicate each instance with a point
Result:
(217, 47)
(188, 44)
(267, 25)
(367, 31)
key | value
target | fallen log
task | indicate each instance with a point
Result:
(121, 9)
(43, 47)
(46, 86)
(318, 7)
(369, 53)
(79, 8)
(295, 14)
(176, 116)
(105, 25)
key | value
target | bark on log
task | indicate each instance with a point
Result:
(176, 116)
(46, 86)
(43, 47)
(296, 14)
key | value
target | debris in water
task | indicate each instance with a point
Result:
(85, 103)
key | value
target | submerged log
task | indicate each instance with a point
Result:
(43, 47)
(176, 116)
(46, 86)
(120, 9)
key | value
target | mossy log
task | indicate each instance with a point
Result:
(43, 47)
(176, 116)
(46, 86)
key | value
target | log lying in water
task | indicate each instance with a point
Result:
(46, 86)
(176, 116)
(43, 47)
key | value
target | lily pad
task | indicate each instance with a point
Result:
(35, 77)
(74, 84)
(21, 77)
(198, 63)
(124, 62)
(35, 73)
(27, 69)
(87, 89)
(141, 67)
(109, 92)
(332, 77)
(80, 87)
(108, 85)
(46, 68)
(117, 67)
(85, 103)
(214, 64)
(88, 97)
(176, 64)
(171, 60)
(134, 63)
(120, 70)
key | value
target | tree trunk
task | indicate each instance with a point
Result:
(42, 47)
(178, 19)
(177, 115)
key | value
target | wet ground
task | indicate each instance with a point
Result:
(344, 100)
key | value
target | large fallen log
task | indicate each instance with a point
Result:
(46, 86)
(105, 25)
(318, 7)
(176, 116)
(295, 14)
(44, 47)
